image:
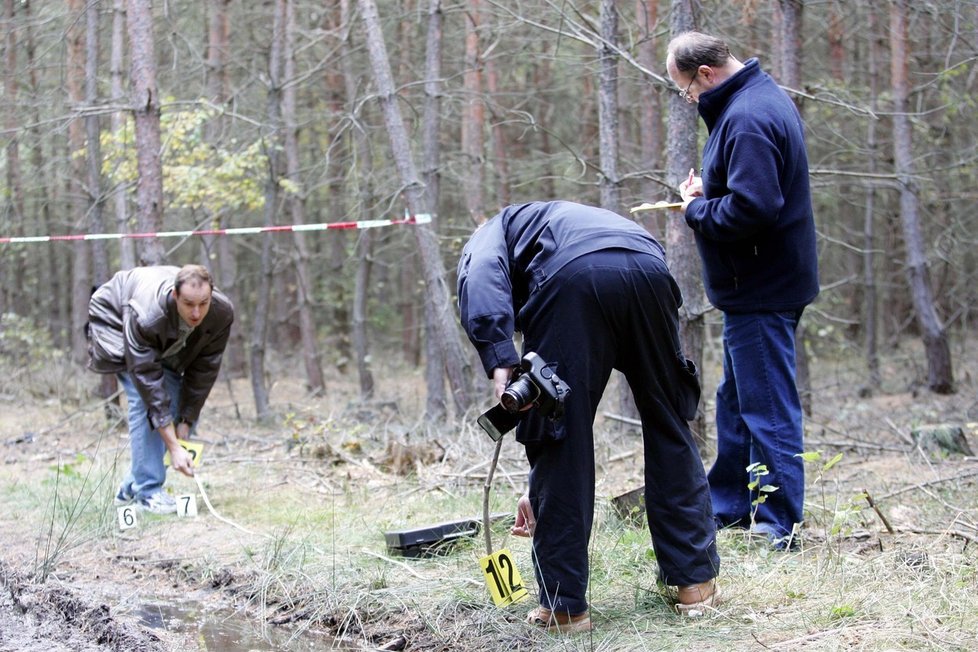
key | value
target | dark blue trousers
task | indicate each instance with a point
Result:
(759, 419)
(614, 309)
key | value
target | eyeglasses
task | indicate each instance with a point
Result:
(684, 93)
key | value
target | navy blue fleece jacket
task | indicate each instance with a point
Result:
(754, 225)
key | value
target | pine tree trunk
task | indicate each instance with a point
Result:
(220, 250)
(13, 269)
(473, 117)
(315, 382)
(120, 205)
(146, 109)
(436, 405)
(272, 138)
(365, 198)
(940, 377)
(681, 155)
(870, 313)
(80, 274)
(437, 295)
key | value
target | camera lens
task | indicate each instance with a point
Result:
(518, 395)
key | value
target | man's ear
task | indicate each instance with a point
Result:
(708, 73)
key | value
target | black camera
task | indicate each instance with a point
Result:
(533, 383)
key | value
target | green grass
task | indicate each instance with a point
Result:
(316, 520)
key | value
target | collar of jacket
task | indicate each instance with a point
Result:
(712, 103)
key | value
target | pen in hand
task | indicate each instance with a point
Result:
(690, 182)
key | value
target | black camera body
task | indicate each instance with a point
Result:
(533, 383)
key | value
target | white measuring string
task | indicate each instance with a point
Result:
(210, 508)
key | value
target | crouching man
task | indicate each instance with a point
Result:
(162, 331)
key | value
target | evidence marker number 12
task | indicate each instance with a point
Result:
(503, 578)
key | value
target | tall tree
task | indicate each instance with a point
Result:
(145, 103)
(940, 377)
(609, 181)
(436, 406)
(315, 382)
(14, 208)
(681, 155)
(500, 155)
(650, 104)
(78, 206)
(52, 274)
(437, 296)
(120, 204)
(216, 89)
(271, 139)
(473, 116)
(788, 62)
(870, 314)
(363, 186)
(93, 134)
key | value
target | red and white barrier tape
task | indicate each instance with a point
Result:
(422, 218)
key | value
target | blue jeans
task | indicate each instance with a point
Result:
(147, 473)
(759, 419)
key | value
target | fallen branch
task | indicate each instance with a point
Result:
(869, 499)
(955, 533)
(618, 417)
(486, 489)
(796, 643)
(855, 444)
(960, 476)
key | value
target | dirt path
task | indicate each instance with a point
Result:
(53, 617)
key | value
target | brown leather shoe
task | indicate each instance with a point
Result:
(560, 621)
(696, 599)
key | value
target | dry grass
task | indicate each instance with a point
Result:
(315, 493)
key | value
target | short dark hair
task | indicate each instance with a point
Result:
(690, 50)
(194, 274)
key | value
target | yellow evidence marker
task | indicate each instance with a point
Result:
(502, 578)
(196, 449)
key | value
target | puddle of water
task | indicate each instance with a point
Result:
(230, 631)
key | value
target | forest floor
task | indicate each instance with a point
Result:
(291, 554)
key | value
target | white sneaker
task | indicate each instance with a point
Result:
(158, 503)
(123, 497)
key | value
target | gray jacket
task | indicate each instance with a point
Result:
(133, 319)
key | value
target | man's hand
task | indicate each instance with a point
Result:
(181, 460)
(526, 523)
(690, 189)
(183, 430)
(500, 378)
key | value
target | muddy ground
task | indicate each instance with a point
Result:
(180, 584)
